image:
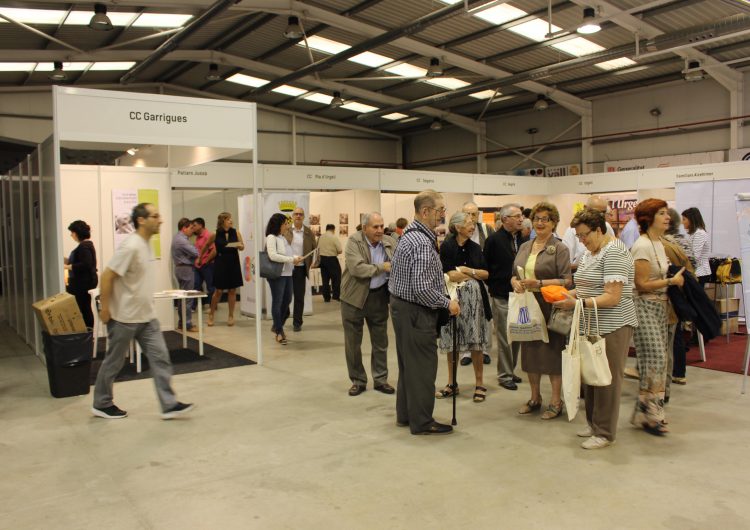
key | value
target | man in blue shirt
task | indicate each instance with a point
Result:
(184, 255)
(418, 294)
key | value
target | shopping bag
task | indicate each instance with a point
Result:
(525, 319)
(593, 349)
(571, 367)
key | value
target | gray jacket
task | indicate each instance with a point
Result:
(355, 282)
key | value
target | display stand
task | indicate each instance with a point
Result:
(742, 203)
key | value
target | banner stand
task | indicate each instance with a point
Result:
(742, 202)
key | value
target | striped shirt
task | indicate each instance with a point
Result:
(613, 263)
(699, 247)
(416, 272)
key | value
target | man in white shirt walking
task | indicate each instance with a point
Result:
(127, 308)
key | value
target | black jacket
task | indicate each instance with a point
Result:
(453, 255)
(83, 276)
(691, 303)
(499, 254)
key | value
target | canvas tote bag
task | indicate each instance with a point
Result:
(594, 364)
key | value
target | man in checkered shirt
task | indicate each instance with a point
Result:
(417, 293)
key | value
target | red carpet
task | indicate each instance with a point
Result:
(720, 355)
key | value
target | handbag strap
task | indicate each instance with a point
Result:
(589, 319)
(575, 324)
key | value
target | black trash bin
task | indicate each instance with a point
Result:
(68, 363)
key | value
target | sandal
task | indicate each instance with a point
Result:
(230, 321)
(552, 412)
(211, 318)
(480, 394)
(530, 406)
(446, 392)
(658, 429)
(281, 339)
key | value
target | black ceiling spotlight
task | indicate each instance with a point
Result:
(541, 103)
(293, 29)
(337, 100)
(693, 71)
(213, 73)
(436, 124)
(655, 112)
(532, 130)
(58, 74)
(434, 70)
(100, 21)
(589, 24)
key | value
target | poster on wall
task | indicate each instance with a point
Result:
(123, 202)
(246, 227)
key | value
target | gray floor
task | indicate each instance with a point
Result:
(283, 446)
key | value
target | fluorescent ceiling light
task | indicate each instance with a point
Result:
(35, 16)
(289, 90)
(325, 99)
(112, 65)
(68, 67)
(324, 45)
(160, 20)
(500, 14)
(247, 80)
(534, 29)
(407, 70)
(17, 67)
(451, 83)
(358, 107)
(373, 60)
(395, 116)
(407, 120)
(622, 62)
(82, 18)
(484, 94)
(578, 47)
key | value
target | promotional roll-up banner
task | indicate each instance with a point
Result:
(247, 257)
(742, 204)
(285, 203)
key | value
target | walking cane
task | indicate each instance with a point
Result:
(454, 385)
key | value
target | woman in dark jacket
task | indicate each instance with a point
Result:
(81, 264)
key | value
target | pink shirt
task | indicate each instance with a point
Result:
(200, 242)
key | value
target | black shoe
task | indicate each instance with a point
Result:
(465, 361)
(436, 428)
(517, 379)
(486, 359)
(402, 423)
(297, 328)
(110, 413)
(177, 410)
(356, 390)
(385, 388)
(508, 384)
(327, 301)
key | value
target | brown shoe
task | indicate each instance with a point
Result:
(193, 329)
(385, 388)
(356, 390)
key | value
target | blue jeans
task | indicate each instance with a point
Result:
(281, 297)
(205, 274)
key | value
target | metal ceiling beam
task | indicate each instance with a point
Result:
(172, 42)
(418, 25)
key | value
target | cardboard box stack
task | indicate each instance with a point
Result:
(728, 309)
(59, 315)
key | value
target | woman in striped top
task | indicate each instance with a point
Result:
(605, 274)
(697, 242)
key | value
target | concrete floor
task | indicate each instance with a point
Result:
(283, 446)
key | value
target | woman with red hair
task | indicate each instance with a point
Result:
(652, 344)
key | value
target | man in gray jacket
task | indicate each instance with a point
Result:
(364, 298)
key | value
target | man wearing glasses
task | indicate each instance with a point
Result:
(499, 253)
(417, 295)
(302, 240)
(571, 241)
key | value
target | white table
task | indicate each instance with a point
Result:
(185, 296)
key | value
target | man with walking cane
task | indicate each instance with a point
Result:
(419, 307)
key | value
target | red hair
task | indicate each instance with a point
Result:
(645, 211)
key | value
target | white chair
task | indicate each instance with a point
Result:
(134, 351)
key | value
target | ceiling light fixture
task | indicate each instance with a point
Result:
(100, 21)
(293, 29)
(693, 71)
(337, 100)
(589, 24)
(655, 112)
(213, 73)
(434, 70)
(436, 124)
(541, 103)
(58, 74)
(132, 151)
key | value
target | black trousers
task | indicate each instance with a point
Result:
(330, 273)
(83, 299)
(299, 286)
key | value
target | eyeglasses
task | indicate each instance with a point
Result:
(516, 216)
(298, 213)
(541, 219)
(441, 211)
(581, 237)
(155, 216)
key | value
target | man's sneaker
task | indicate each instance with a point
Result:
(596, 442)
(177, 410)
(110, 413)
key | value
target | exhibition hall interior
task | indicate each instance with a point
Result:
(374, 263)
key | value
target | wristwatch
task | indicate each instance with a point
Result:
(474, 273)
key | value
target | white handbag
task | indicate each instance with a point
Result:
(593, 348)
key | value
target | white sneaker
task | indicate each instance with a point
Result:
(586, 433)
(595, 442)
